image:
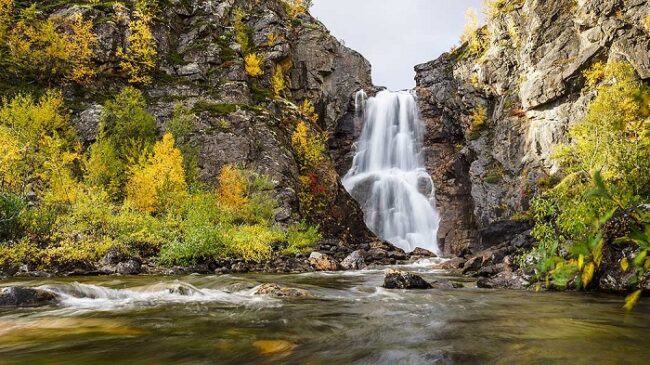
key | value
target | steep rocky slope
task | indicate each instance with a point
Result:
(493, 116)
(200, 64)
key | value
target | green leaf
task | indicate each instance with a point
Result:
(640, 258)
(625, 264)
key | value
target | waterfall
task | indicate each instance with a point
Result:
(388, 177)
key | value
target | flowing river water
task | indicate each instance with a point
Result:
(350, 319)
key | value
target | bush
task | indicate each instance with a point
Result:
(278, 81)
(251, 242)
(158, 183)
(301, 238)
(611, 140)
(11, 209)
(309, 147)
(477, 122)
(139, 58)
(253, 64)
(48, 49)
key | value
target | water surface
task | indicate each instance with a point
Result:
(349, 320)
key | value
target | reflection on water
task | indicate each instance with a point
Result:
(349, 320)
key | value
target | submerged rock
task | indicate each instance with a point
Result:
(421, 253)
(275, 290)
(396, 279)
(354, 261)
(25, 297)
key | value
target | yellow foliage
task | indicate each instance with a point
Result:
(646, 23)
(55, 47)
(252, 242)
(158, 185)
(6, 11)
(232, 187)
(296, 7)
(477, 121)
(241, 31)
(632, 299)
(471, 25)
(587, 274)
(271, 39)
(308, 109)
(11, 153)
(625, 264)
(253, 65)
(37, 141)
(139, 58)
(278, 81)
(309, 148)
(494, 8)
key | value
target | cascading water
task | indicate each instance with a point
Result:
(388, 177)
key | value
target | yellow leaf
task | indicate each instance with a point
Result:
(647, 264)
(630, 300)
(581, 262)
(625, 264)
(587, 274)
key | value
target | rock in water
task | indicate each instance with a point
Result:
(396, 279)
(322, 262)
(25, 297)
(504, 280)
(421, 252)
(275, 290)
(354, 261)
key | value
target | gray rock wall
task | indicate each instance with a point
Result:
(530, 82)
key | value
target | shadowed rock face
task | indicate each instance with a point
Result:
(529, 82)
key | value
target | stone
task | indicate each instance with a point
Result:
(456, 263)
(130, 267)
(354, 261)
(503, 280)
(322, 262)
(420, 252)
(275, 290)
(25, 297)
(396, 279)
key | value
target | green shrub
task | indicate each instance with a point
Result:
(610, 148)
(251, 242)
(301, 238)
(11, 209)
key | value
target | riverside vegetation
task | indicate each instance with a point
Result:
(134, 190)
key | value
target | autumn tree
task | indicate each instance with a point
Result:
(158, 183)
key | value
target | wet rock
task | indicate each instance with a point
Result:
(275, 290)
(354, 261)
(322, 262)
(421, 253)
(504, 280)
(130, 267)
(444, 284)
(396, 279)
(456, 263)
(25, 297)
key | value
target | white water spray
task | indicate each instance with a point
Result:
(388, 177)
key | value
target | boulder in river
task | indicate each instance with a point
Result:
(322, 262)
(275, 290)
(396, 279)
(421, 253)
(504, 280)
(354, 261)
(25, 297)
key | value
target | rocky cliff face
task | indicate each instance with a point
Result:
(201, 66)
(493, 118)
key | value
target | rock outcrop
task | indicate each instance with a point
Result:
(200, 65)
(493, 117)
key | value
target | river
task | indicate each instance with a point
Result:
(350, 319)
